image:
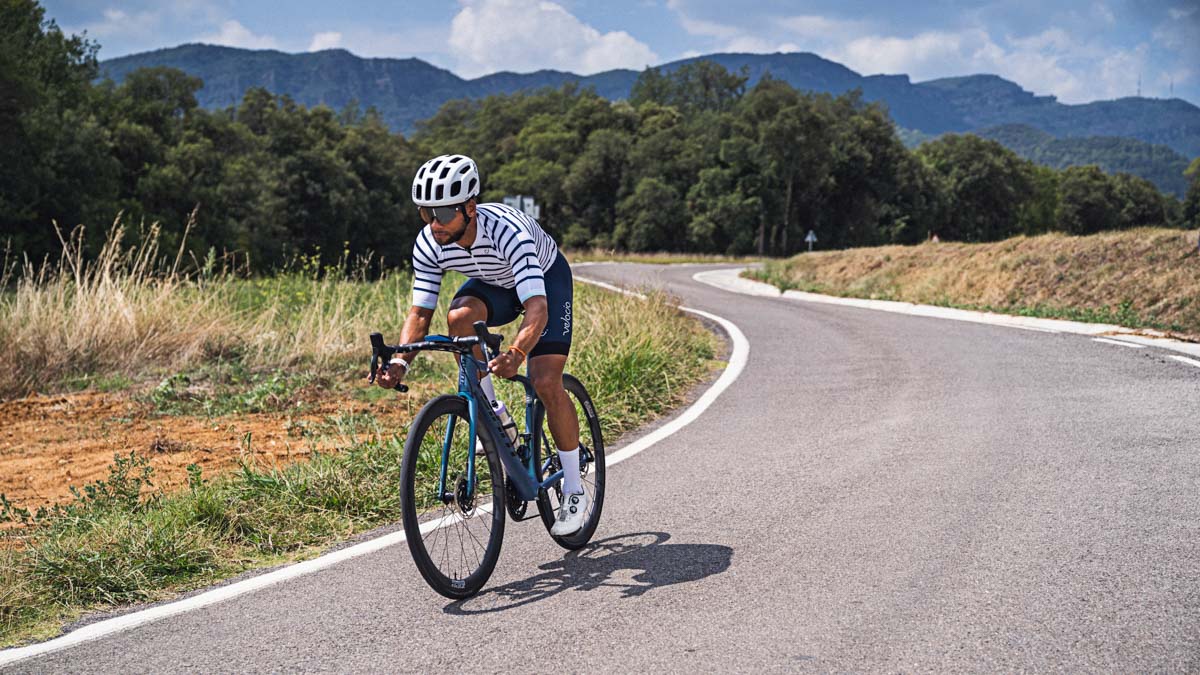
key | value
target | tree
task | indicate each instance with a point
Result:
(55, 165)
(1037, 214)
(591, 187)
(1191, 203)
(1142, 205)
(1087, 201)
(650, 219)
(986, 184)
(691, 87)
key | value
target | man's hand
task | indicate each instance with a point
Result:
(390, 375)
(506, 364)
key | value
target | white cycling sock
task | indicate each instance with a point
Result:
(570, 465)
(488, 389)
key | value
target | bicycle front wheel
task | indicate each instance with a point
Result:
(591, 465)
(454, 526)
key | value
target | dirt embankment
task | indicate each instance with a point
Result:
(1140, 278)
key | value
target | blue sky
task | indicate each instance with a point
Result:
(1077, 51)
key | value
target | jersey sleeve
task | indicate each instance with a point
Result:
(519, 250)
(427, 273)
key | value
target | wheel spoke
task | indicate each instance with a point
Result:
(464, 547)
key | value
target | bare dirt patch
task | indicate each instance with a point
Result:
(49, 443)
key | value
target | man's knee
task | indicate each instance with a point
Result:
(548, 385)
(463, 313)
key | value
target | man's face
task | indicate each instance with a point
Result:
(448, 233)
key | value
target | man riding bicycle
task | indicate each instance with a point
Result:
(513, 267)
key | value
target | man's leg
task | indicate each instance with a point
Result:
(464, 312)
(546, 372)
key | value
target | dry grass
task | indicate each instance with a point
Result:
(126, 312)
(1141, 278)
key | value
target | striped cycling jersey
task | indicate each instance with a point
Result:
(511, 251)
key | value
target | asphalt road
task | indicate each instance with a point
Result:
(876, 492)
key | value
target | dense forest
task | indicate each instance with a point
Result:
(1158, 164)
(694, 160)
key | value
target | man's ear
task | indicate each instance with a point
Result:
(470, 208)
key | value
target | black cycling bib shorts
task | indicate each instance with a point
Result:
(503, 306)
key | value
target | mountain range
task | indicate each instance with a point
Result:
(407, 90)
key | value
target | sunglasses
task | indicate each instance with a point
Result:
(443, 214)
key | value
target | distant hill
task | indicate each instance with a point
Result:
(407, 90)
(1157, 163)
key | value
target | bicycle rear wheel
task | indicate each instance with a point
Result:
(454, 536)
(591, 465)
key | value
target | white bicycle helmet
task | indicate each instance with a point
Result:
(446, 180)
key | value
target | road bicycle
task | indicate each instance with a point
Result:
(453, 508)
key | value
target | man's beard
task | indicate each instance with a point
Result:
(455, 237)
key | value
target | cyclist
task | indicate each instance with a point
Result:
(513, 268)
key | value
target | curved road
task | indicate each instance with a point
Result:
(876, 492)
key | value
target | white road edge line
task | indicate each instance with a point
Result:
(1118, 342)
(728, 279)
(1190, 362)
(737, 362)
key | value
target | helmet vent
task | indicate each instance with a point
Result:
(446, 180)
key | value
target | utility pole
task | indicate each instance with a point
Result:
(1139, 85)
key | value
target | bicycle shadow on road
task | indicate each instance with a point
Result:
(596, 565)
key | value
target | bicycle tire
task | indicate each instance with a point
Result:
(451, 522)
(594, 482)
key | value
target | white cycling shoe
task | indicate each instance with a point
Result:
(571, 515)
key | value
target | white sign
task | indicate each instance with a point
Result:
(525, 204)
(811, 238)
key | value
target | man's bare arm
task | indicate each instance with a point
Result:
(416, 327)
(536, 314)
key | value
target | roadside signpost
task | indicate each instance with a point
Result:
(811, 238)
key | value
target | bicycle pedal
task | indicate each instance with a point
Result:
(528, 516)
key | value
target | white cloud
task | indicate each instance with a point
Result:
(812, 26)
(1177, 13)
(707, 28)
(1104, 14)
(1072, 58)
(233, 34)
(918, 56)
(1050, 62)
(117, 22)
(522, 35)
(322, 41)
(141, 24)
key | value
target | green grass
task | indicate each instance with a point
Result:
(122, 540)
(229, 388)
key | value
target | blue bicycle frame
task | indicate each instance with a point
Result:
(520, 470)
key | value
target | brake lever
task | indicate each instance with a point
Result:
(381, 353)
